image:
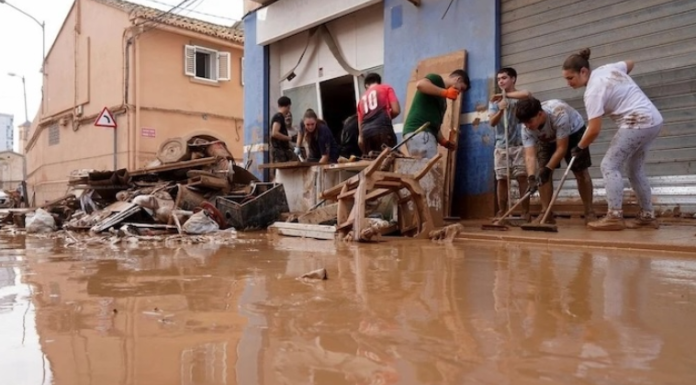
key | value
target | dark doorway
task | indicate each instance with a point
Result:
(337, 102)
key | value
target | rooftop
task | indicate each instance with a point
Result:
(233, 33)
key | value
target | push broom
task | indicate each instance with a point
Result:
(499, 224)
(542, 225)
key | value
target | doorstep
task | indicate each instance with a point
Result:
(678, 237)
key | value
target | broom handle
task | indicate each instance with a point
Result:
(507, 151)
(558, 191)
(519, 202)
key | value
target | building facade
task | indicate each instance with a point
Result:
(533, 36)
(6, 132)
(11, 170)
(161, 76)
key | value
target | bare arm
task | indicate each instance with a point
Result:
(594, 126)
(395, 108)
(427, 87)
(519, 94)
(561, 149)
(277, 135)
(530, 160)
(300, 139)
(495, 118)
(629, 65)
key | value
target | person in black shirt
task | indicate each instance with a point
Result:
(281, 150)
(349, 137)
(322, 145)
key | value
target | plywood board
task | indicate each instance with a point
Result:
(442, 65)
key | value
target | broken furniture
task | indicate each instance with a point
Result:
(255, 210)
(371, 184)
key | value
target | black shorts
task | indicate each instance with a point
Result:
(546, 150)
(375, 142)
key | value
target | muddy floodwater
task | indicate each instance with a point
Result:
(402, 312)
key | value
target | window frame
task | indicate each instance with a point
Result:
(220, 64)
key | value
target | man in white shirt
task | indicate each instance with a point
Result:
(551, 129)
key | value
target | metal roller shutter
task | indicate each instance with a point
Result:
(660, 35)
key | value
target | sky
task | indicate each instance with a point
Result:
(20, 45)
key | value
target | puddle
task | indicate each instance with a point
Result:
(403, 312)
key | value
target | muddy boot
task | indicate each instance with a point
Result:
(590, 217)
(644, 220)
(613, 221)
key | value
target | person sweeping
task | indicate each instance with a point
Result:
(610, 91)
(551, 130)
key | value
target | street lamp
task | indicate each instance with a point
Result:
(43, 30)
(24, 85)
(25, 134)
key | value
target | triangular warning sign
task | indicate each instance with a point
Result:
(105, 119)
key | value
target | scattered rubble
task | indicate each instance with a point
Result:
(447, 233)
(191, 192)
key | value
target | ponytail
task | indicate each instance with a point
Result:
(578, 61)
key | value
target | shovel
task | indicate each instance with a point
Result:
(542, 225)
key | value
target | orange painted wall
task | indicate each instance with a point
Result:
(86, 67)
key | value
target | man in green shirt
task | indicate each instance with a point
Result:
(429, 106)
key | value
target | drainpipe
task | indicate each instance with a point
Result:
(136, 85)
(266, 105)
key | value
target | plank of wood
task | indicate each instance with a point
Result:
(304, 230)
(357, 166)
(286, 165)
(174, 166)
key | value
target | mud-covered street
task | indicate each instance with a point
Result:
(398, 312)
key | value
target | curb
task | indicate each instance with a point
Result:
(620, 245)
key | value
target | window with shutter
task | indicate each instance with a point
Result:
(224, 70)
(206, 64)
(241, 70)
(190, 60)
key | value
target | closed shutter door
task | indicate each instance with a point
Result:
(659, 35)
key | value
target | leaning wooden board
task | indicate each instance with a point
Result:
(442, 65)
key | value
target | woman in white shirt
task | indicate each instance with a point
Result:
(611, 92)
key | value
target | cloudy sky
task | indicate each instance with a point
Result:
(21, 42)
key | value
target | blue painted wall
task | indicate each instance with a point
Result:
(415, 33)
(255, 97)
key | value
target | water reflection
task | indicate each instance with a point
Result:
(390, 313)
(23, 361)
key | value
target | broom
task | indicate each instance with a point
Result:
(542, 226)
(499, 223)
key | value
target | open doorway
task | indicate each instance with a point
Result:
(337, 102)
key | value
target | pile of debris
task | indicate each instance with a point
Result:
(192, 188)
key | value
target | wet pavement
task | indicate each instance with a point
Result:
(671, 237)
(402, 312)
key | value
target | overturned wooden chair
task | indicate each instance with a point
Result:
(370, 184)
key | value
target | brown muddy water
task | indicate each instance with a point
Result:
(403, 312)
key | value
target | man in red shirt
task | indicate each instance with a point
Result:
(376, 109)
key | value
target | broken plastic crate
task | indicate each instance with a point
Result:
(257, 210)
